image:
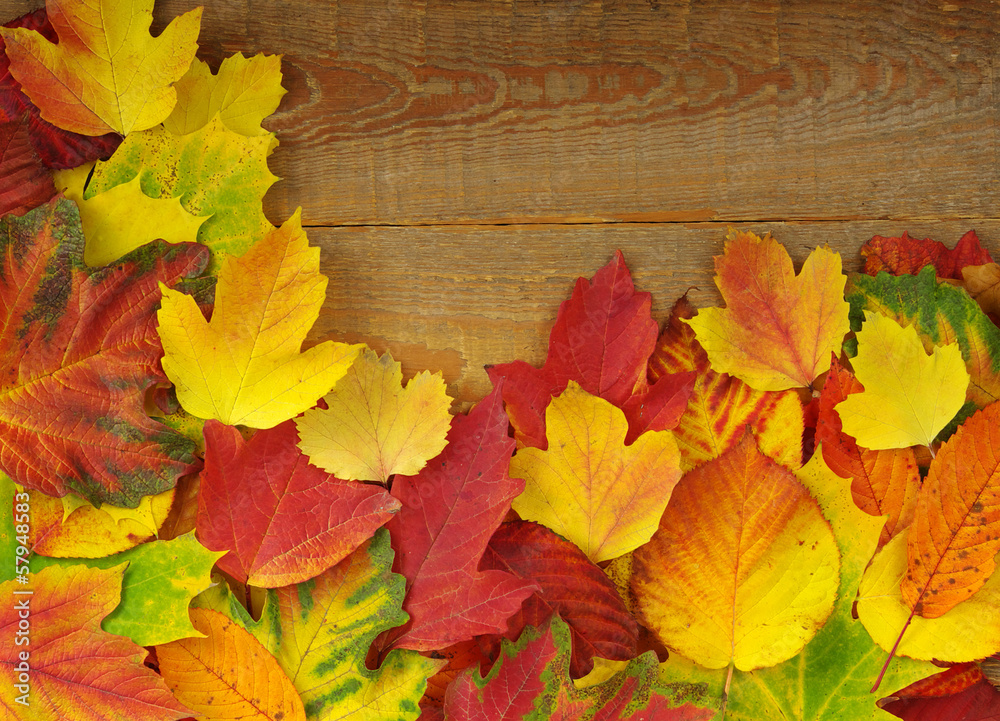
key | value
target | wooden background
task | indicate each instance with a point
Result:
(460, 163)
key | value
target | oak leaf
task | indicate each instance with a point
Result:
(230, 669)
(778, 329)
(124, 218)
(281, 519)
(449, 511)
(908, 396)
(245, 365)
(589, 487)
(571, 585)
(373, 426)
(884, 482)
(78, 356)
(906, 255)
(721, 406)
(242, 94)
(743, 568)
(77, 670)
(532, 681)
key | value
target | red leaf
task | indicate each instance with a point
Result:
(450, 510)
(602, 338)
(24, 182)
(571, 585)
(961, 693)
(283, 520)
(78, 351)
(906, 255)
(56, 148)
(661, 406)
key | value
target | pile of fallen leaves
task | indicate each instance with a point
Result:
(761, 512)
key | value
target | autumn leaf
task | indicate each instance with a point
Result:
(373, 427)
(959, 693)
(106, 73)
(778, 329)
(983, 283)
(228, 669)
(571, 586)
(941, 314)
(908, 396)
(967, 632)
(906, 255)
(24, 182)
(721, 406)
(124, 218)
(449, 511)
(78, 356)
(242, 94)
(161, 579)
(953, 538)
(831, 678)
(532, 680)
(282, 520)
(602, 338)
(743, 568)
(320, 632)
(76, 670)
(55, 147)
(245, 365)
(884, 482)
(588, 486)
(214, 171)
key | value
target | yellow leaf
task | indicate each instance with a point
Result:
(968, 632)
(909, 396)
(778, 329)
(243, 93)
(373, 427)
(743, 568)
(589, 487)
(106, 73)
(245, 366)
(124, 218)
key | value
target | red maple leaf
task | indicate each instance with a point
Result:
(78, 351)
(905, 255)
(283, 520)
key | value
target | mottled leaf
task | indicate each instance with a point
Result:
(906, 255)
(79, 352)
(374, 427)
(282, 520)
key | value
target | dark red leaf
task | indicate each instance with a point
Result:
(24, 182)
(906, 256)
(961, 693)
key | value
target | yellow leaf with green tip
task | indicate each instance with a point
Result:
(968, 632)
(909, 396)
(245, 365)
(124, 218)
(588, 486)
(242, 93)
(373, 426)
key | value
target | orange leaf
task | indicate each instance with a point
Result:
(883, 482)
(956, 528)
(722, 406)
(230, 670)
(777, 329)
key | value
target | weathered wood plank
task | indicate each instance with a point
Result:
(450, 111)
(453, 299)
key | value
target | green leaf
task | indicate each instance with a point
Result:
(831, 678)
(161, 579)
(941, 314)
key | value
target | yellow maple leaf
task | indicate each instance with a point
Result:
(242, 93)
(373, 427)
(123, 218)
(245, 366)
(106, 73)
(743, 568)
(909, 396)
(589, 487)
(778, 329)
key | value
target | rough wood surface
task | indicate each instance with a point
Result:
(462, 162)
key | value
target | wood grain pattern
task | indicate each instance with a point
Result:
(461, 162)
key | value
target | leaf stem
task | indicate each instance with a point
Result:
(930, 447)
(892, 653)
(725, 691)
